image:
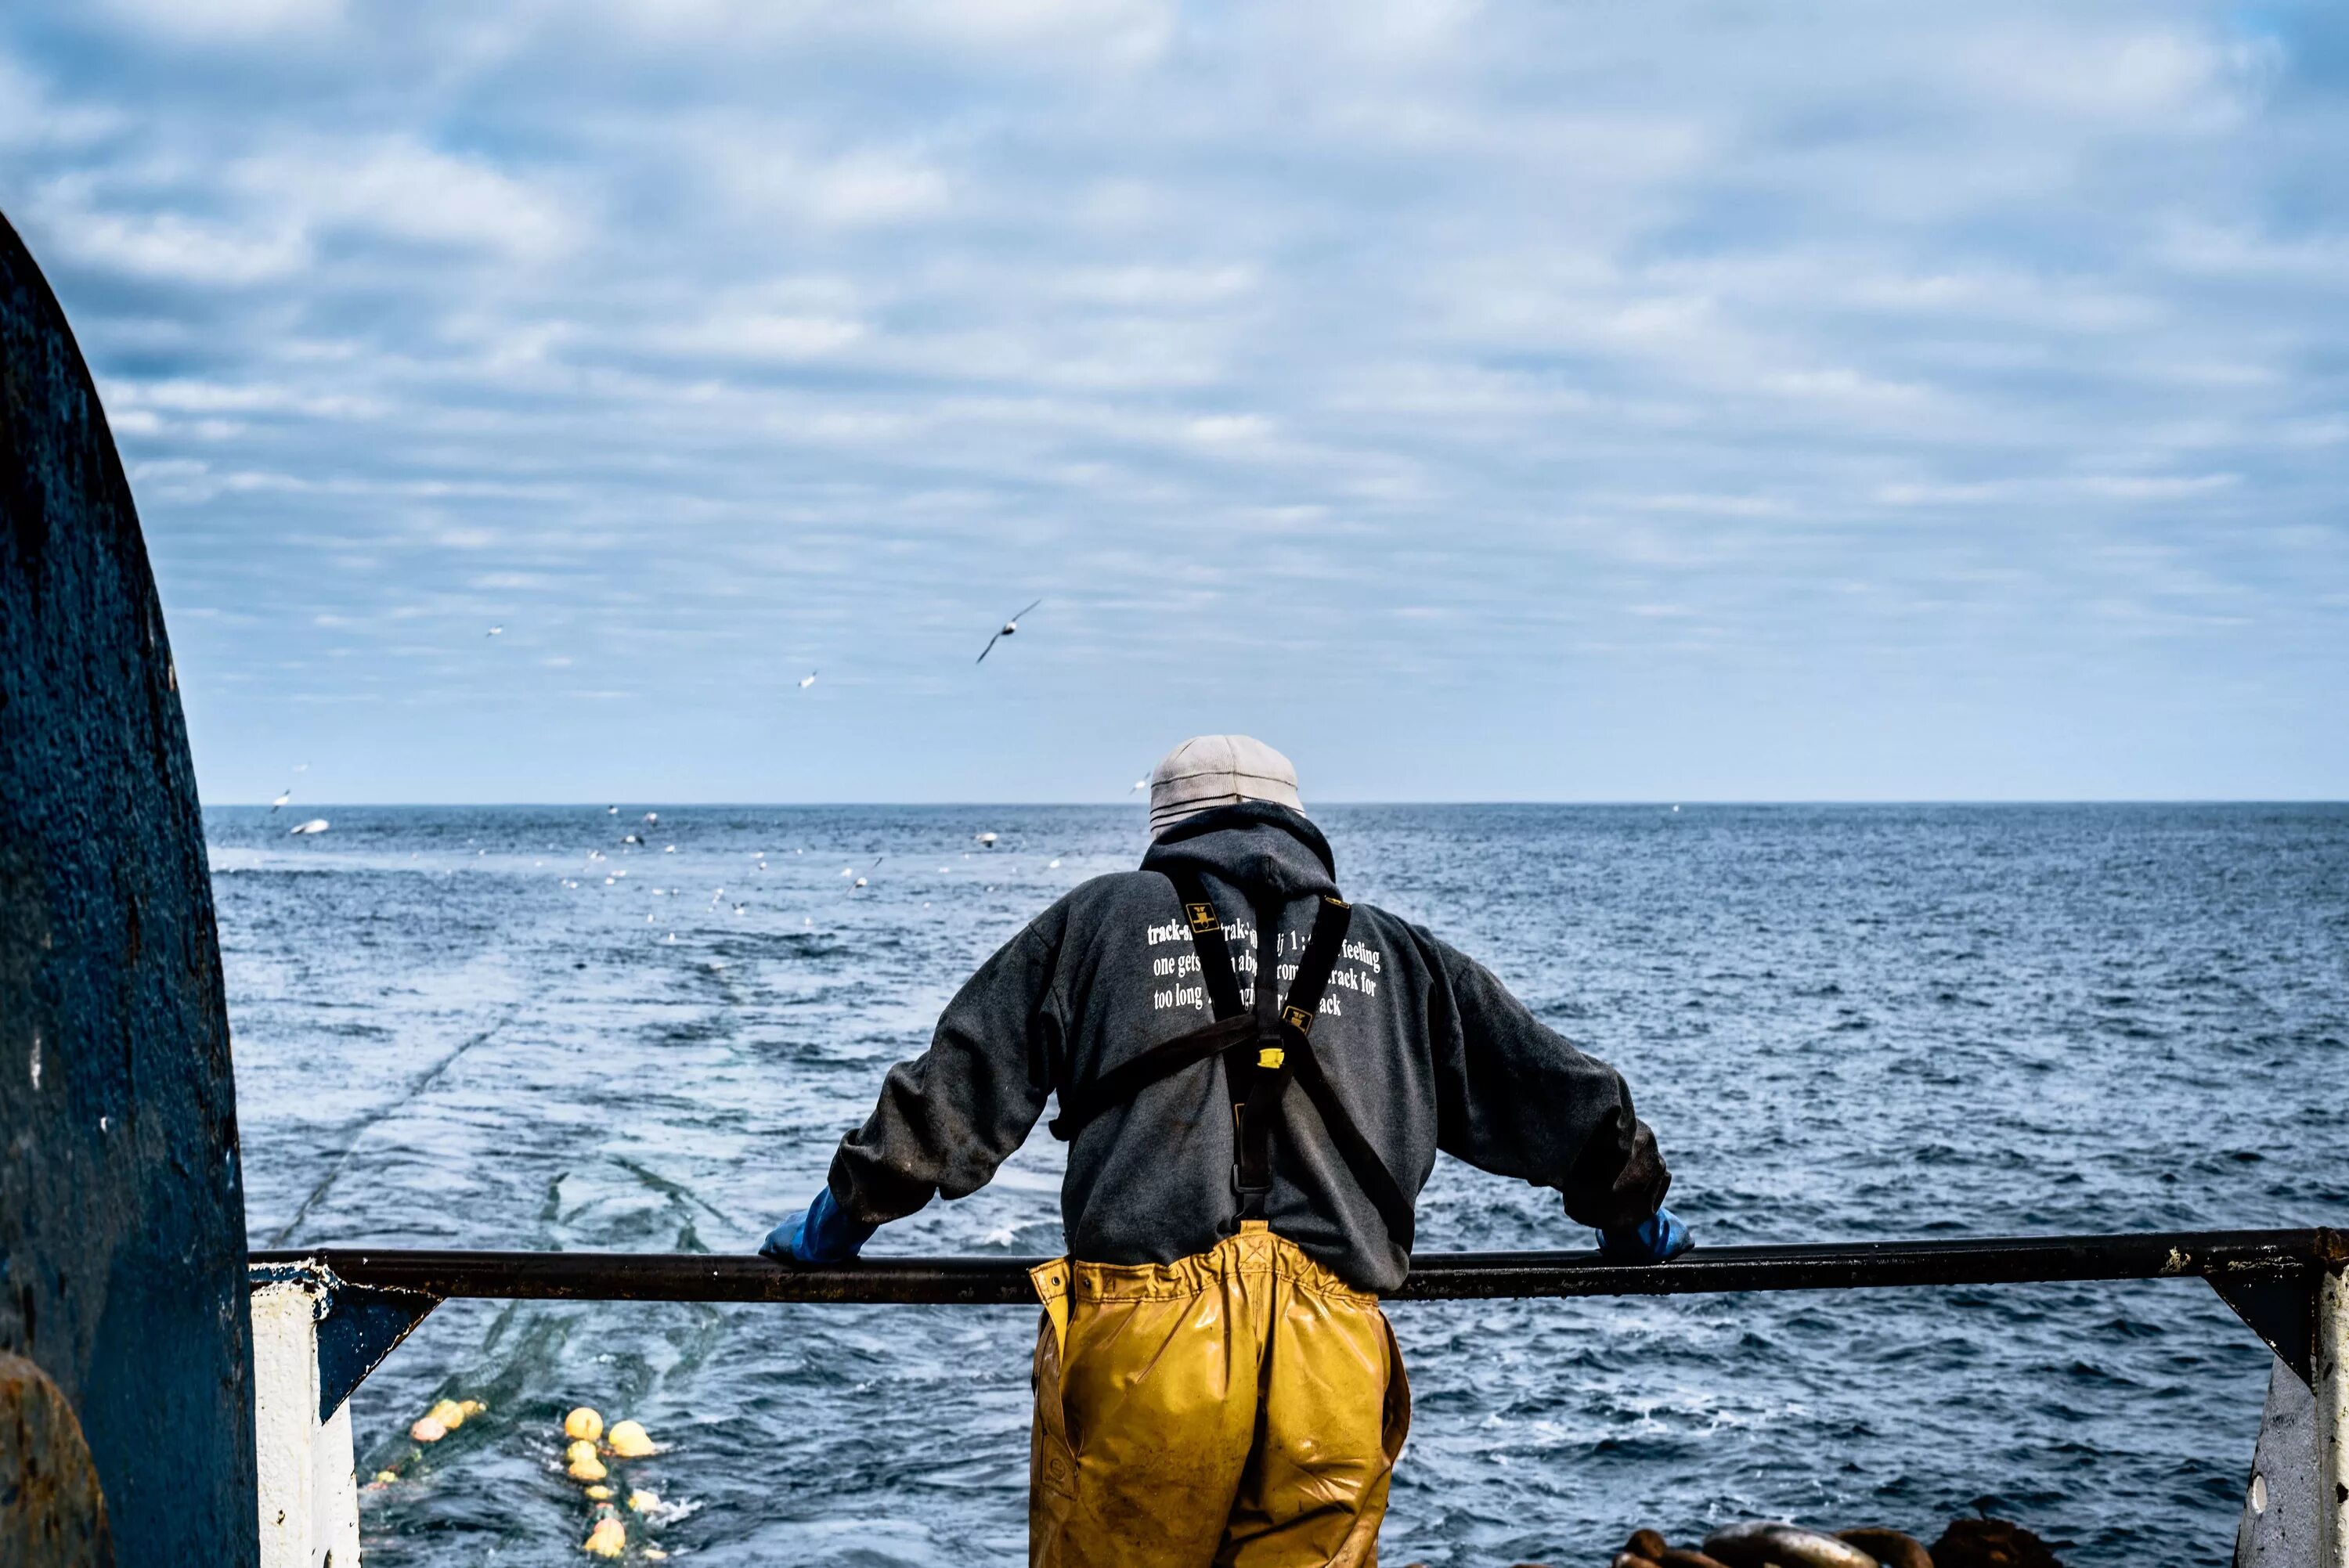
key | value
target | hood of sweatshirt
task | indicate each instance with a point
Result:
(1254, 845)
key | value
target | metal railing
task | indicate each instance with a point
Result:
(2224, 1257)
(325, 1316)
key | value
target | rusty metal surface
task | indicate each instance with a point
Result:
(52, 1508)
(121, 1204)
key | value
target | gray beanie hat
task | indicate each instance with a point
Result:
(1211, 770)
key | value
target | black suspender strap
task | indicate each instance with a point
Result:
(1321, 956)
(1283, 1047)
(1300, 1060)
(1123, 1081)
(1370, 1171)
(1216, 971)
(1259, 1082)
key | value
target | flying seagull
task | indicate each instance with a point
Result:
(1009, 627)
(281, 801)
(495, 631)
(314, 825)
(808, 680)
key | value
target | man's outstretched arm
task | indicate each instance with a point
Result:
(947, 1118)
(1519, 1100)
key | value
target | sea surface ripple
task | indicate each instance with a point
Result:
(1844, 1023)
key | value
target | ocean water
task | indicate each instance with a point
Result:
(453, 1028)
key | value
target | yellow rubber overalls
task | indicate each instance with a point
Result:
(1243, 1406)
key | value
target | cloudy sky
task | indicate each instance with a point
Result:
(1568, 401)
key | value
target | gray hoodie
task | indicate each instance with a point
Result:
(1421, 1044)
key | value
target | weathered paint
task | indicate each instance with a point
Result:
(2332, 1418)
(121, 1206)
(355, 1328)
(308, 1484)
(2278, 1523)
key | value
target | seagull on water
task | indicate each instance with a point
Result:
(1009, 627)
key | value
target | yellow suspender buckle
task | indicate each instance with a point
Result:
(1271, 1056)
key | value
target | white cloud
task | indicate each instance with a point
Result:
(1229, 430)
(1714, 505)
(764, 175)
(227, 21)
(401, 190)
(2095, 73)
(166, 245)
(874, 187)
(1123, 32)
(2240, 252)
(31, 116)
(766, 337)
(189, 395)
(2154, 487)
(2040, 489)
(1844, 384)
(1161, 287)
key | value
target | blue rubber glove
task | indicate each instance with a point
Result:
(820, 1234)
(1658, 1239)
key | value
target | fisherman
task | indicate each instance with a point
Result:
(1254, 1080)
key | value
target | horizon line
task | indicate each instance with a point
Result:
(660, 803)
